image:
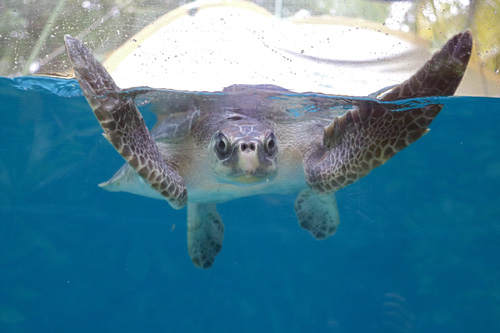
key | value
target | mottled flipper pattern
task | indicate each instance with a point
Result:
(205, 233)
(124, 126)
(317, 213)
(441, 75)
(371, 133)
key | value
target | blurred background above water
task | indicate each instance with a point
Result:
(360, 44)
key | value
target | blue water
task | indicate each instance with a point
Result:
(417, 250)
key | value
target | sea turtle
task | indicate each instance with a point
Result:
(208, 148)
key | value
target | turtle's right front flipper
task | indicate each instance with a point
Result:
(441, 75)
(370, 133)
(124, 126)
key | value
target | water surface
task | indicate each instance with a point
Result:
(417, 249)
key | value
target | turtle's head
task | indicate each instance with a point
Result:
(244, 152)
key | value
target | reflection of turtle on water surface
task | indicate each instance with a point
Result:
(208, 148)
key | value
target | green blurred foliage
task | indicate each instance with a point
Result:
(104, 23)
(439, 20)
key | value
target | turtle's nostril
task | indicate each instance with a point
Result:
(247, 146)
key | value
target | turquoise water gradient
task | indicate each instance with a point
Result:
(418, 248)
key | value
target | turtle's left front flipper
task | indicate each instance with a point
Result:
(370, 133)
(124, 126)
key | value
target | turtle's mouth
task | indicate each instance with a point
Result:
(247, 170)
(250, 179)
(250, 167)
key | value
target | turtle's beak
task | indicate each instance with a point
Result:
(248, 162)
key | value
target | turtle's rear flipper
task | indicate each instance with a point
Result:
(441, 75)
(317, 213)
(124, 126)
(205, 234)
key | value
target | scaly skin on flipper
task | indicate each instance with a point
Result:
(124, 126)
(441, 75)
(370, 134)
(317, 213)
(205, 234)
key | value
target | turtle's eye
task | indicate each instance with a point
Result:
(270, 145)
(222, 146)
